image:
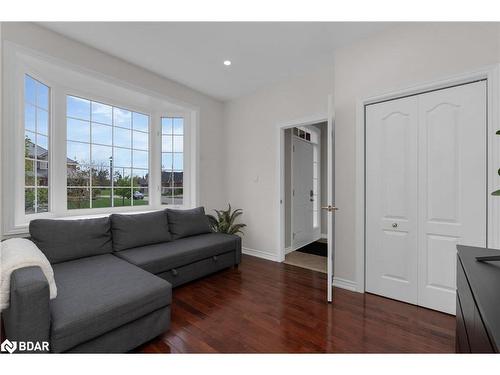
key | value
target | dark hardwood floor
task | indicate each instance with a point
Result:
(268, 307)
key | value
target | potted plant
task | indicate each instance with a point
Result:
(225, 221)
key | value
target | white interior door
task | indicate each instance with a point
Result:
(302, 192)
(331, 208)
(391, 199)
(425, 192)
(452, 187)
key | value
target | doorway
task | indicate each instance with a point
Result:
(305, 181)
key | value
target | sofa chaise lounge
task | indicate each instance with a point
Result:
(114, 277)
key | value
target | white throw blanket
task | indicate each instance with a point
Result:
(18, 253)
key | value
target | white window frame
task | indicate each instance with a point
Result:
(64, 79)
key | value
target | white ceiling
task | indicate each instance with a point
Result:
(193, 53)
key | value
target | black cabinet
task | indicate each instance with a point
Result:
(478, 302)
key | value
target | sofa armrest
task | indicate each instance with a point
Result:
(28, 316)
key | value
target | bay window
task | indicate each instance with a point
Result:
(78, 144)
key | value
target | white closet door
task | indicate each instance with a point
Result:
(391, 199)
(451, 185)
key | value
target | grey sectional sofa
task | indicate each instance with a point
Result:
(114, 277)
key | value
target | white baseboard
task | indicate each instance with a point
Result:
(345, 284)
(324, 235)
(260, 254)
(288, 250)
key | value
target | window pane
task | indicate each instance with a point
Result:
(140, 141)
(178, 196)
(122, 157)
(29, 172)
(77, 175)
(122, 176)
(101, 156)
(178, 162)
(122, 118)
(101, 198)
(178, 143)
(42, 200)
(178, 126)
(29, 89)
(42, 96)
(141, 122)
(166, 143)
(42, 173)
(43, 144)
(78, 130)
(178, 179)
(78, 153)
(42, 121)
(140, 196)
(123, 137)
(102, 134)
(166, 125)
(29, 144)
(166, 179)
(78, 108)
(140, 178)
(29, 117)
(101, 176)
(29, 201)
(140, 159)
(102, 113)
(166, 195)
(78, 198)
(166, 161)
(122, 197)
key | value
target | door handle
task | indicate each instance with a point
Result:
(330, 208)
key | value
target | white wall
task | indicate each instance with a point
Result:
(395, 58)
(211, 166)
(252, 141)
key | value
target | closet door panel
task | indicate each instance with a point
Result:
(452, 187)
(391, 151)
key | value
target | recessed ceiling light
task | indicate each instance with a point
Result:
(227, 62)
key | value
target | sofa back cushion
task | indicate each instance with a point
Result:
(139, 229)
(184, 223)
(63, 240)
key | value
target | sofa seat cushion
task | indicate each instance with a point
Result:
(165, 256)
(98, 294)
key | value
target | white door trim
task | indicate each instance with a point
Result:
(492, 75)
(280, 193)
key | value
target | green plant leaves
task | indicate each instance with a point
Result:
(224, 221)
